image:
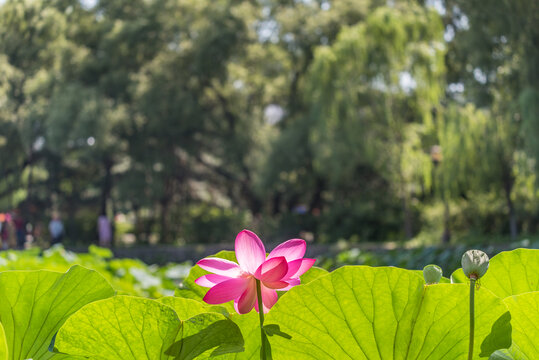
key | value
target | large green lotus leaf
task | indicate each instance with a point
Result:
(126, 327)
(384, 313)
(524, 310)
(509, 273)
(190, 290)
(458, 277)
(250, 329)
(187, 308)
(36, 303)
(3, 344)
(312, 274)
(249, 323)
(207, 335)
(121, 327)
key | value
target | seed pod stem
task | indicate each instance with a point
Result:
(472, 319)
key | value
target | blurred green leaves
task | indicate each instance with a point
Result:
(300, 114)
(127, 276)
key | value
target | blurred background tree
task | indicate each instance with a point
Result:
(353, 119)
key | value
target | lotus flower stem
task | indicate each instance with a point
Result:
(472, 314)
(261, 317)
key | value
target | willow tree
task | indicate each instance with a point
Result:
(203, 130)
(372, 96)
(295, 29)
(34, 51)
(494, 54)
(462, 164)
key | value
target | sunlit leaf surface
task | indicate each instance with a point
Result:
(510, 273)
(524, 310)
(34, 304)
(125, 327)
(384, 313)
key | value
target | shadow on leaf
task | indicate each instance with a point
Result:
(223, 335)
(274, 329)
(499, 337)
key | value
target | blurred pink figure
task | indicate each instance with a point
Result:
(104, 231)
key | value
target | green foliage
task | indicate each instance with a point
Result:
(524, 310)
(250, 329)
(127, 276)
(187, 308)
(448, 258)
(528, 101)
(512, 273)
(124, 327)
(352, 312)
(363, 129)
(36, 303)
(365, 313)
(513, 276)
(206, 224)
(3, 344)
(119, 327)
(188, 116)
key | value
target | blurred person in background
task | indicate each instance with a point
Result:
(7, 233)
(56, 229)
(20, 228)
(3, 232)
(104, 230)
(38, 233)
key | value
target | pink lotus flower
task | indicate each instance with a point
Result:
(279, 271)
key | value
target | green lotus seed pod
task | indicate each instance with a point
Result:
(474, 264)
(432, 274)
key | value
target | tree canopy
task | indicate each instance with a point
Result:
(362, 120)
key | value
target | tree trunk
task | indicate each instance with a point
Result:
(26, 209)
(113, 226)
(276, 203)
(29, 187)
(165, 207)
(446, 235)
(508, 182)
(165, 202)
(407, 219)
(316, 200)
(106, 186)
(138, 227)
(508, 187)
(253, 202)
